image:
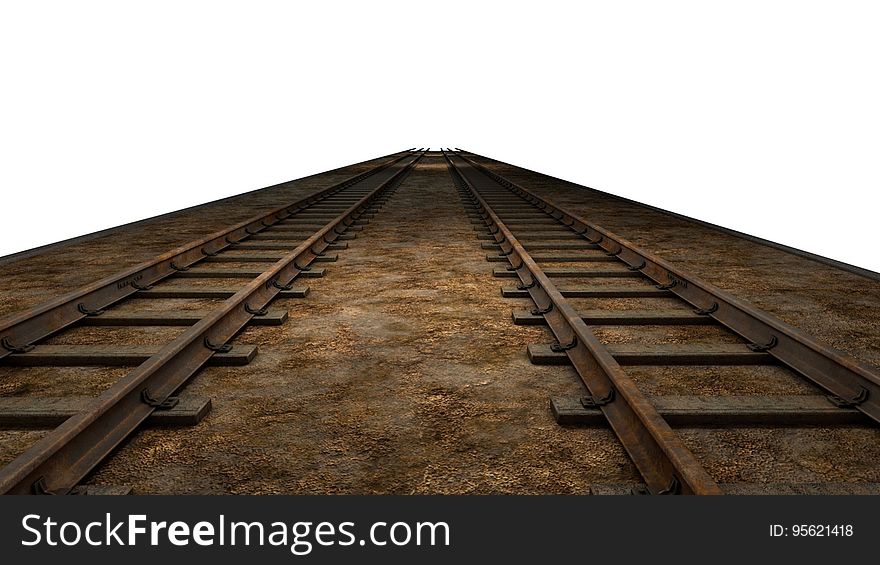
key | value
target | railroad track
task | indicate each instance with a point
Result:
(291, 240)
(526, 232)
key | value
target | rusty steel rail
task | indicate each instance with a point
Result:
(19, 331)
(850, 382)
(856, 270)
(58, 461)
(667, 466)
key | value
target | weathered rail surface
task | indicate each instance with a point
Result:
(643, 426)
(300, 234)
(530, 240)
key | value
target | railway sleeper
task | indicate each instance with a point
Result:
(545, 245)
(292, 237)
(572, 272)
(723, 411)
(536, 223)
(208, 292)
(312, 224)
(49, 412)
(560, 258)
(210, 273)
(114, 355)
(257, 246)
(662, 354)
(308, 229)
(274, 317)
(595, 292)
(562, 234)
(542, 221)
(229, 258)
(754, 489)
(623, 318)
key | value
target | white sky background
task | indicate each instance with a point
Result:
(758, 116)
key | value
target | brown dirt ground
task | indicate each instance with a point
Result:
(401, 372)
(841, 309)
(29, 281)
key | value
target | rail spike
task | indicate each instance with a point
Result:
(8, 346)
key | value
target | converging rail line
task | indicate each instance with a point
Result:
(525, 230)
(290, 238)
(214, 287)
